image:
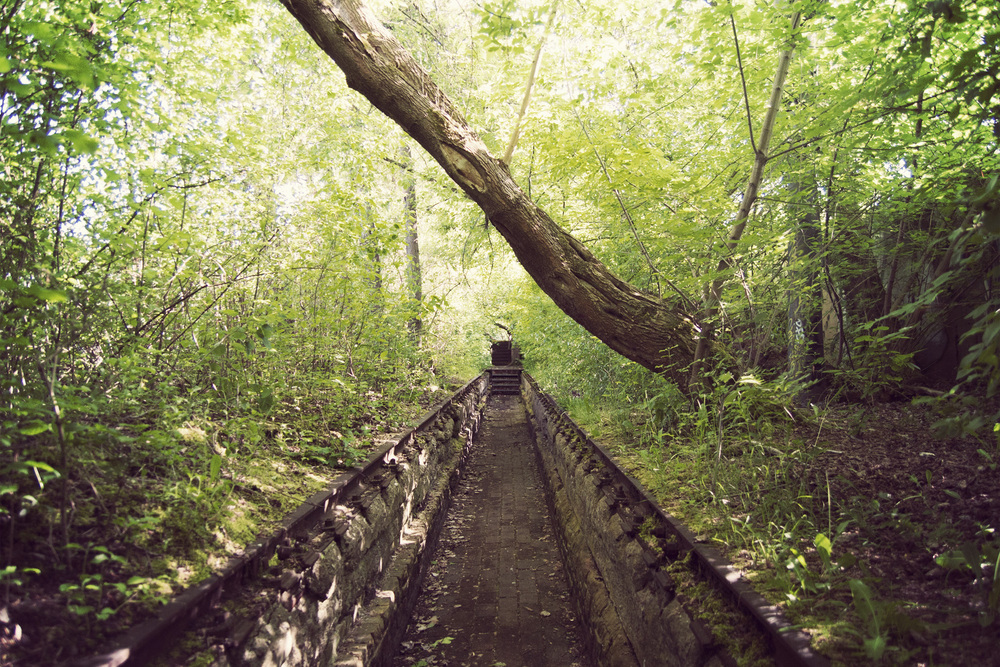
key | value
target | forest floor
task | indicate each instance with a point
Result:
(923, 514)
(872, 534)
(909, 574)
(148, 519)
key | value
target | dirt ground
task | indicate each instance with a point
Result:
(496, 592)
(920, 508)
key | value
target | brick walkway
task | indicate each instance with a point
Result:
(496, 594)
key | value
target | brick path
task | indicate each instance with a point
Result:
(496, 593)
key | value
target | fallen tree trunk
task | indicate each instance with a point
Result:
(655, 333)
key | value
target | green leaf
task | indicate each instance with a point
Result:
(76, 68)
(43, 141)
(45, 294)
(951, 560)
(40, 465)
(214, 468)
(823, 546)
(81, 142)
(875, 647)
(864, 603)
(266, 401)
(34, 427)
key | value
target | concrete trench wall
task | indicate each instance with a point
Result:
(344, 592)
(335, 584)
(624, 595)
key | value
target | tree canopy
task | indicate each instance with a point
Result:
(211, 247)
(659, 333)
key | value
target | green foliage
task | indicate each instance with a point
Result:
(878, 367)
(871, 614)
(191, 288)
(983, 561)
(203, 316)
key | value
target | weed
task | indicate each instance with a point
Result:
(877, 366)
(983, 561)
(97, 596)
(876, 639)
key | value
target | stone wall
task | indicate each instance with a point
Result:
(336, 583)
(341, 593)
(616, 552)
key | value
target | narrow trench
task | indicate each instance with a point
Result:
(496, 593)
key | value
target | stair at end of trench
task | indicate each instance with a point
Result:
(505, 381)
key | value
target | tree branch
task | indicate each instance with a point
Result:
(641, 327)
(743, 80)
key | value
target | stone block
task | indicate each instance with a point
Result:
(321, 579)
(684, 644)
(394, 496)
(375, 510)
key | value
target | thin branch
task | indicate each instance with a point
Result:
(422, 25)
(743, 80)
(713, 289)
(625, 212)
(424, 177)
(516, 132)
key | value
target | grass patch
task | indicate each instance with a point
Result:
(873, 536)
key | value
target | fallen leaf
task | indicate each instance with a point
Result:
(431, 622)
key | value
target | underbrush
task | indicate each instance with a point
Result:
(139, 495)
(840, 515)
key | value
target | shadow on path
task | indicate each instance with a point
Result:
(496, 594)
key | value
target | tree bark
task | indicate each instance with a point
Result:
(805, 322)
(652, 332)
(413, 275)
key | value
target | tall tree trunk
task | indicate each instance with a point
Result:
(370, 243)
(713, 290)
(652, 332)
(805, 325)
(516, 132)
(413, 275)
